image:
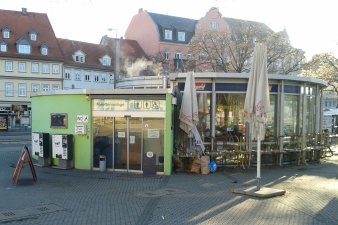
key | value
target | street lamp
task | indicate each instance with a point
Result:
(115, 30)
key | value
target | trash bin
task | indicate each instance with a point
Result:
(102, 163)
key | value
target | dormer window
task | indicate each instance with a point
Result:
(24, 47)
(44, 50)
(105, 60)
(168, 34)
(33, 36)
(181, 36)
(3, 47)
(6, 33)
(79, 56)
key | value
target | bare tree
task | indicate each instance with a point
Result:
(231, 51)
(243, 38)
(323, 66)
(210, 49)
(282, 57)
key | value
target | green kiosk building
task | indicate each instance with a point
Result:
(119, 130)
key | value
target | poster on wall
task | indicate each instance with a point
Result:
(3, 123)
(153, 133)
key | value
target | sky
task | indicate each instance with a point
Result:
(311, 24)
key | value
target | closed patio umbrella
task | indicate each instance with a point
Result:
(189, 110)
(257, 100)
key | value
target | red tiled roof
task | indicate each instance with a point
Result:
(20, 25)
(92, 51)
(129, 48)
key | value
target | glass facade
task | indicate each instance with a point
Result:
(125, 130)
(294, 112)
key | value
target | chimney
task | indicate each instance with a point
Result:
(140, 10)
(24, 11)
(117, 59)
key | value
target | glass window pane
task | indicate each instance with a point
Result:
(229, 121)
(291, 115)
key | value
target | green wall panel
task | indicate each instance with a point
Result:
(73, 105)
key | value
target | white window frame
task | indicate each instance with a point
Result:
(35, 88)
(35, 68)
(67, 75)
(181, 36)
(45, 87)
(103, 78)
(96, 78)
(44, 50)
(24, 49)
(55, 87)
(111, 78)
(79, 58)
(87, 77)
(9, 66)
(22, 90)
(77, 76)
(45, 68)
(6, 33)
(55, 68)
(9, 89)
(33, 36)
(178, 55)
(106, 61)
(22, 67)
(166, 54)
(168, 34)
(3, 47)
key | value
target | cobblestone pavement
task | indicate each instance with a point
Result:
(87, 197)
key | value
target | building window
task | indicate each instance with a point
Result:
(3, 47)
(67, 75)
(79, 58)
(87, 77)
(214, 25)
(111, 78)
(6, 33)
(166, 54)
(178, 55)
(35, 88)
(168, 34)
(45, 87)
(77, 76)
(22, 67)
(103, 78)
(24, 49)
(181, 36)
(55, 87)
(35, 67)
(55, 69)
(9, 89)
(44, 50)
(189, 55)
(33, 36)
(22, 90)
(96, 78)
(45, 68)
(9, 66)
(106, 61)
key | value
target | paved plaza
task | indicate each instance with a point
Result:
(70, 197)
